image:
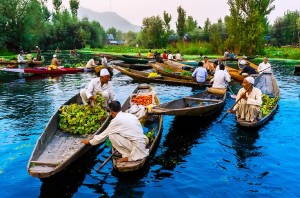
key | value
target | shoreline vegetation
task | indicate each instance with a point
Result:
(275, 53)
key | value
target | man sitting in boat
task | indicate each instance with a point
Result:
(221, 78)
(21, 58)
(200, 74)
(264, 66)
(207, 65)
(125, 133)
(178, 56)
(103, 60)
(54, 63)
(149, 54)
(246, 69)
(98, 85)
(91, 63)
(248, 108)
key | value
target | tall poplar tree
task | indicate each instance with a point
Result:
(180, 24)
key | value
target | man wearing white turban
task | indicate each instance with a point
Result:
(248, 108)
(101, 85)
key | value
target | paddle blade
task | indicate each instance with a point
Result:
(233, 96)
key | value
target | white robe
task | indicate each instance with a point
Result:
(126, 135)
(249, 109)
(263, 67)
(220, 79)
(95, 87)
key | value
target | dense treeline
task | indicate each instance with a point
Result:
(245, 30)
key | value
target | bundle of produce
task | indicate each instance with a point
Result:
(82, 119)
(153, 75)
(144, 100)
(268, 104)
(168, 71)
(186, 73)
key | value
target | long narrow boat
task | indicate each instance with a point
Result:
(179, 65)
(44, 70)
(268, 85)
(20, 63)
(132, 60)
(143, 77)
(134, 66)
(138, 57)
(169, 70)
(201, 104)
(153, 122)
(56, 149)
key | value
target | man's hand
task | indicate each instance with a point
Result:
(231, 111)
(93, 98)
(123, 159)
(244, 97)
(85, 141)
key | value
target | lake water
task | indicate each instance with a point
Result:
(195, 158)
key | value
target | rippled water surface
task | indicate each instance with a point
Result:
(195, 158)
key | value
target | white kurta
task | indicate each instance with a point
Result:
(91, 63)
(263, 66)
(220, 79)
(126, 135)
(249, 109)
(95, 87)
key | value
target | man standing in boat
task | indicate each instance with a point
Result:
(125, 133)
(101, 85)
(248, 108)
(38, 53)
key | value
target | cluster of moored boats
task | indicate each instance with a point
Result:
(56, 149)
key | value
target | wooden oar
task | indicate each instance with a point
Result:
(107, 160)
(234, 104)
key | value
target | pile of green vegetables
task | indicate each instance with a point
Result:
(151, 135)
(82, 119)
(268, 104)
(168, 70)
(186, 73)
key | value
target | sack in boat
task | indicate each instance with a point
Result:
(216, 90)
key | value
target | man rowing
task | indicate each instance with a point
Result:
(125, 133)
(221, 78)
(248, 108)
(264, 66)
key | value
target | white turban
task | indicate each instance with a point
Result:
(104, 72)
(242, 62)
(54, 56)
(250, 80)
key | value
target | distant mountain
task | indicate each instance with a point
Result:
(108, 19)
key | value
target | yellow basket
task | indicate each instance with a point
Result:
(216, 90)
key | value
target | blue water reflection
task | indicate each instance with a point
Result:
(196, 157)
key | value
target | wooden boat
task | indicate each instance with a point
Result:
(132, 60)
(143, 77)
(44, 70)
(190, 63)
(55, 149)
(175, 71)
(30, 63)
(138, 57)
(235, 73)
(179, 65)
(153, 122)
(268, 85)
(201, 104)
(134, 66)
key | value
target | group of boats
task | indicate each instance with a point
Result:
(56, 149)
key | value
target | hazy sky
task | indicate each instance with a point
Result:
(135, 10)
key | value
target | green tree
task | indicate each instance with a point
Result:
(167, 20)
(56, 5)
(74, 5)
(247, 24)
(180, 24)
(190, 24)
(152, 32)
(218, 35)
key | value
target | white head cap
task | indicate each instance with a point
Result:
(36, 46)
(104, 72)
(244, 56)
(250, 80)
(243, 62)
(54, 55)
